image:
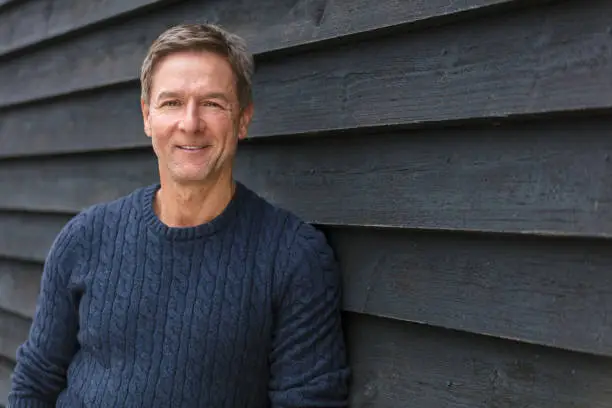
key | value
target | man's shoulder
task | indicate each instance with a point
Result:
(287, 223)
(77, 234)
(100, 212)
(303, 255)
(296, 236)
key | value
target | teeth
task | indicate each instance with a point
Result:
(191, 147)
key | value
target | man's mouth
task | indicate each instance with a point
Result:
(192, 148)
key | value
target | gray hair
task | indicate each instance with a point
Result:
(201, 37)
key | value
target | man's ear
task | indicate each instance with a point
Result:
(245, 120)
(144, 107)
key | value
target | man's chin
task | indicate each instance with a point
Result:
(191, 178)
(192, 175)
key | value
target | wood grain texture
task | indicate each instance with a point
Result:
(553, 292)
(13, 332)
(299, 21)
(114, 55)
(108, 119)
(397, 364)
(40, 20)
(19, 286)
(68, 184)
(28, 237)
(534, 61)
(536, 178)
(6, 370)
(4, 3)
(544, 178)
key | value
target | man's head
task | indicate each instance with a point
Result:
(196, 100)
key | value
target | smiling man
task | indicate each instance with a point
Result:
(195, 291)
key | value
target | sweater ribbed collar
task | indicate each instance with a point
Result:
(187, 233)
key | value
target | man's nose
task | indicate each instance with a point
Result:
(191, 121)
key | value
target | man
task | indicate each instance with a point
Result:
(193, 292)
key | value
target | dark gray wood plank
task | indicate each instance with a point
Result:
(535, 61)
(9, 2)
(401, 365)
(538, 178)
(299, 21)
(28, 237)
(40, 20)
(13, 332)
(19, 286)
(114, 55)
(6, 369)
(549, 177)
(554, 292)
(68, 184)
(109, 119)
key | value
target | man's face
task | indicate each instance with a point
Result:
(193, 116)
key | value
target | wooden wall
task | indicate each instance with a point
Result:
(457, 153)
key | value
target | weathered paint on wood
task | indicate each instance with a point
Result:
(6, 369)
(4, 3)
(13, 332)
(528, 62)
(388, 66)
(41, 20)
(68, 184)
(19, 286)
(28, 237)
(552, 178)
(554, 292)
(299, 21)
(445, 57)
(500, 286)
(110, 119)
(546, 177)
(395, 363)
(401, 365)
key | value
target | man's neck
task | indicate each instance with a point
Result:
(189, 205)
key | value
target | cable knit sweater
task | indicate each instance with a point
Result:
(243, 311)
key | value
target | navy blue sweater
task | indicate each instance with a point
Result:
(243, 311)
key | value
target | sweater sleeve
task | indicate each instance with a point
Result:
(308, 358)
(43, 359)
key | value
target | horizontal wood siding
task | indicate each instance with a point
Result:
(541, 177)
(455, 72)
(504, 286)
(13, 331)
(19, 285)
(6, 369)
(27, 237)
(456, 154)
(40, 20)
(4, 3)
(402, 365)
(112, 56)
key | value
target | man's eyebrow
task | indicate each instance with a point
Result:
(216, 95)
(209, 95)
(167, 94)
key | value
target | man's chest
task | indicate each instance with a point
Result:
(186, 308)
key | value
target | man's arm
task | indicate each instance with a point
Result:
(42, 361)
(308, 358)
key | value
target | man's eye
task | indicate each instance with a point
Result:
(170, 103)
(212, 104)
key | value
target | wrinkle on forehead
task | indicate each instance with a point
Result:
(194, 73)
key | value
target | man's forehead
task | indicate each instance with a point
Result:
(179, 86)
